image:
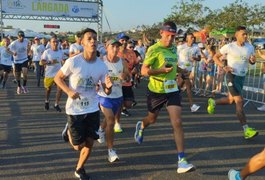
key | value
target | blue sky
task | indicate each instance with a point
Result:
(124, 14)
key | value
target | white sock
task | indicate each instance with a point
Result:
(245, 127)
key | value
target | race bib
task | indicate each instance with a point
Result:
(82, 103)
(170, 86)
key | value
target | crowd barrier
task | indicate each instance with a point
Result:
(253, 89)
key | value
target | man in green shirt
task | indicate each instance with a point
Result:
(160, 64)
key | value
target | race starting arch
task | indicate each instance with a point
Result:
(90, 11)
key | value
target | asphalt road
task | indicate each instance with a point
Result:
(31, 147)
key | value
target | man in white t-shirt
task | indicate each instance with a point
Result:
(76, 48)
(52, 59)
(20, 51)
(5, 61)
(85, 71)
(188, 54)
(36, 51)
(239, 54)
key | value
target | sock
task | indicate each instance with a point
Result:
(46, 101)
(245, 127)
(100, 128)
(18, 83)
(24, 82)
(181, 155)
(55, 104)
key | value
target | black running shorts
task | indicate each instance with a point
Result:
(155, 101)
(83, 126)
(127, 93)
(18, 67)
(234, 84)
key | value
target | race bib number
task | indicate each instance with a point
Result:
(82, 103)
(170, 86)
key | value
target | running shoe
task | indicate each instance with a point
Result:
(112, 156)
(211, 106)
(250, 133)
(124, 112)
(57, 108)
(184, 166)
(64, 133)
(234, 175)
(24, 89)
(134, 103)
(194, 108)
(101, 135)
(81, 174)
(261, 108)
(47, 106)
(117, 128)
(14, 81)
(138, 135)
(19, 90)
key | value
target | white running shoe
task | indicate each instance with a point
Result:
(184, 166)
(112, 156)
(194, 108)
(101, 135)
(261, 108)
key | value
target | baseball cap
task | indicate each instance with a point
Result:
(36, 38)
(169, 27)
(112, 41)
(21, 33)
(122, 36)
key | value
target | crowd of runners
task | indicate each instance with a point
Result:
(102, 77)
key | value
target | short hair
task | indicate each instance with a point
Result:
(239, 28)
(78, 34)
(84, 31)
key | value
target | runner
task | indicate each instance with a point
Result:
(111, 104)
(36, 51)
(239, 54)
(20, 51)
(188, 53)
(256, 163)
(85, 71)
(160, 65)
(128, 96)
(5, 61)
(52, 58)
(76, 48)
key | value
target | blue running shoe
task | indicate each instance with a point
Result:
(234, 175)
(138, 135)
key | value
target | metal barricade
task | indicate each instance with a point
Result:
(254, 87)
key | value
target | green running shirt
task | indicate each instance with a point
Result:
(156, 56)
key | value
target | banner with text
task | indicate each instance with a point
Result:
(50, 8)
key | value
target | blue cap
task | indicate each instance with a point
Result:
(122, 36)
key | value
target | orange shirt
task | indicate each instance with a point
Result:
(131, 60)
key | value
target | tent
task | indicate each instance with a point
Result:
(228, 33)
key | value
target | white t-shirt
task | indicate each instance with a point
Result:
(37, 50)
(114, 71)
(49, 55)
(21, 48)
(185, 53)
(75, 47)
(238, 57)
(83, 78)
(141, 50)
(5, 58)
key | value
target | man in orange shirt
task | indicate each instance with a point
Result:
(131, 61)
